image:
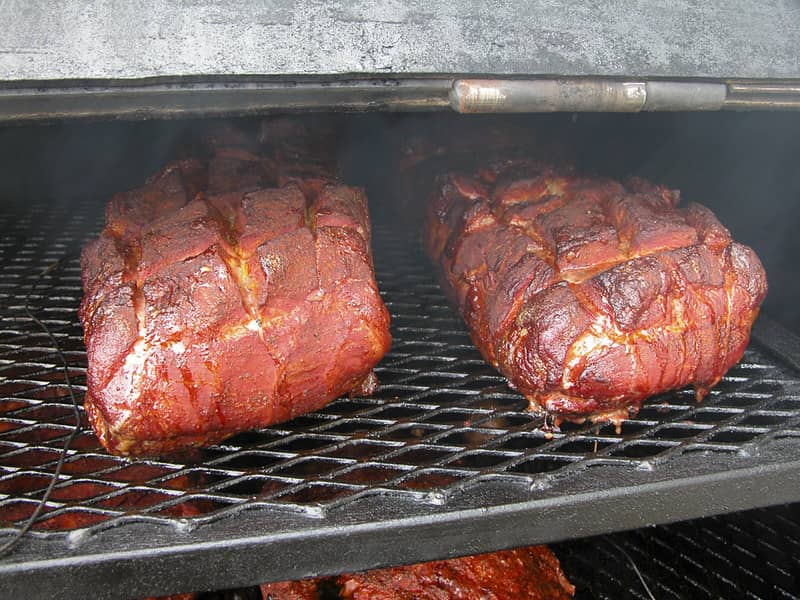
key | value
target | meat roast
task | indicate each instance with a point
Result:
(588, 294)
(531, 573)
(230, 292)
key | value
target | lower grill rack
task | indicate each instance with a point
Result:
(753, 554)
(443, 460)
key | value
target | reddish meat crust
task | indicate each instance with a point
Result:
(306, 589)
(591, 295)
(212, 305)
(531, 573)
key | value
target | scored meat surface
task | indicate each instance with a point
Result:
(228, 293)
(588, 294)
(531, 573)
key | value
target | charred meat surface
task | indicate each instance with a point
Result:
(531, 573)
(590, 295)
(228, 293)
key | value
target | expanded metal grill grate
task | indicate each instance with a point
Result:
(753, 554)
(444, 451)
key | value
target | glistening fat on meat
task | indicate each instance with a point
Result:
(588, 294)
(207, 313)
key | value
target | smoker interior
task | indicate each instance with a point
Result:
(443, 436)
(752, 554)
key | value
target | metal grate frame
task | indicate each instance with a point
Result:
(443, 460)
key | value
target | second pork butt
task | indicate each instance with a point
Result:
(588, 294)
(210, 313)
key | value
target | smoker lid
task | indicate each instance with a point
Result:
(108, 40)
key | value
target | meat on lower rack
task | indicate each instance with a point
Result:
(226, 294)
(531, 573)
(588, 294)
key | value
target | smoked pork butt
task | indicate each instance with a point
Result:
(531, 573)
(588, 294)
(228, 293)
